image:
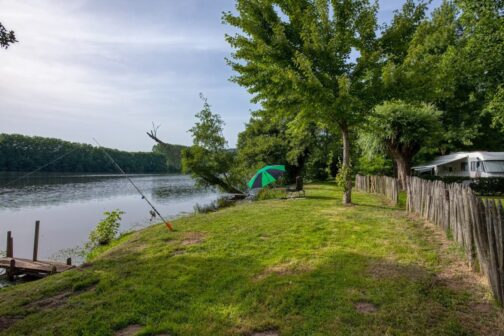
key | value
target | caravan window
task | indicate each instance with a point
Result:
(477, 166)
(463, 166)
(494, 166)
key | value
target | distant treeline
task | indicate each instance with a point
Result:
(25, 153)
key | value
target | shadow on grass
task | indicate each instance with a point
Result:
(233, 287)
(325, 198)
(374, 206)
(197, 293)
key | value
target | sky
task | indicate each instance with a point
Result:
(109, 69)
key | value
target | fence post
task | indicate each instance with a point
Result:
(36, 241)
(11, 272)
(10, 243)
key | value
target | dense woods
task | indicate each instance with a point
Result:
(24, 153)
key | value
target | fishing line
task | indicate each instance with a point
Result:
(40, 168)
(168, 225)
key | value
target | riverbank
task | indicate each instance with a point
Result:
(69, 206)
(288, 267)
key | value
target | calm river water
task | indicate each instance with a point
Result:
(69, 206)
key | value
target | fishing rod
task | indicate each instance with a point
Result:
(168, 225)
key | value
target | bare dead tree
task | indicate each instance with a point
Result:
(153, 134)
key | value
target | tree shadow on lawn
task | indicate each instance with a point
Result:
(219, 292)
(356, 294)
(374, 206)
(320, 197)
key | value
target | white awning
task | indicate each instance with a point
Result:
(441, 160)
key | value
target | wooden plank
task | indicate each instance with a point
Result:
(35, 266)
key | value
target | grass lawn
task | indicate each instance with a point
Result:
(281, 267)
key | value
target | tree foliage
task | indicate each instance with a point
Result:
(172, 154)
(209, 160)
(294, 57)
(401, 130)
(273, 138)
(7, 37)
(24, 153)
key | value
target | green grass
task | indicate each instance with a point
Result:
(298, 267)
(497, 198)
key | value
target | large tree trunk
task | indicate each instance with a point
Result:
(403, 170)
(347, 189)
(402, 157)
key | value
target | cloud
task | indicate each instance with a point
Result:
(80, 67)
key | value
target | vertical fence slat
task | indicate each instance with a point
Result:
(384, 185)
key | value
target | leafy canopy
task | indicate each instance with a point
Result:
(208, 160)
(7, 37)
(294, 56)
(397, 125)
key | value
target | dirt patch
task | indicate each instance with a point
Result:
(394, 271)
(266, 333)
(129, 330)
(288, 268)
(140, 247)
(7, 321)
(455, 273)
(178, 252)
(192, 238)
(168, 240)
(51, 302)
(85, 265)
(365, 307)
(478, 313)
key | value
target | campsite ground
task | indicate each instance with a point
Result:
(277, 267)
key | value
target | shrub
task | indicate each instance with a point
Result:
(488, 186)
(483, 186)
(270, 193)
(107, 229)
(222, 202)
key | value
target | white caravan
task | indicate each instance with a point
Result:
(470, 164)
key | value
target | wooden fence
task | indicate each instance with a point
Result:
(384, 185)
(478, 225)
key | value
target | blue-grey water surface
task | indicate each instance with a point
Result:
(70, 205)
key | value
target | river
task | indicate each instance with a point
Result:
(70, 205)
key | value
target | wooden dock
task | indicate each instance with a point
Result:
(19, 266)
(36, 268)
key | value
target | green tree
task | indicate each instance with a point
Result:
(482, 24)
(271, 137)
(401, 130)
(496, 108)
(7, 37)
(453, 60)
(263, 142)
(294, 56)
(208, 160)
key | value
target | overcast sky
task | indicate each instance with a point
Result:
(107, 69)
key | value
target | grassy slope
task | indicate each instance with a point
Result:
(295, 266)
